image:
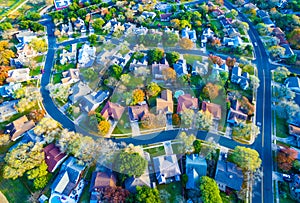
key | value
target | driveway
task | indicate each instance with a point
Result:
(135, 128)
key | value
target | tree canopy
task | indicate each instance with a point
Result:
(285, 158)
(153, 89)
(155, 55)
(146, 195)
(39, 45)
(138, 95)
(209, 190)
(5, 53)
(3, 73)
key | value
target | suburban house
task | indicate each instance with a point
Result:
(235, 41)
(214, 109)
(166, 168)
(68, 56)
(295, 131)
(70, 76)
(180, 67)
(220, 68)
(295, 187)
(79, 90)
(101, 180)
(157, 70)
(91, 101)
(293, 83)
(7, 109)
(235, 115)
(24, 37)
(186, 101)
(265, 18)
(225, 22)
(206, 35)
(18, 75)
(288, 52)
(86, 56)
(138, 111)
(196, 167)
(25, 54)
(147, 14)
(199, 68)
(16, 128)
(242, 79)
(79, 25)
(165, 17)
(67, 181)
(112, 111)
(232, 32)
(164, 104)
(53, 157)
(188, 33)
(67, 29)
(228, 176)
(8, 90)
(104, 57)
(61, 4)
(132, 182)
(119, 60)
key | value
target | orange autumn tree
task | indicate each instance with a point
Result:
(104, 127)
(3, 73)
(5, 53)
(211, 91)
(169, 74)
(138, 96)
(186, 43)
(285, 158)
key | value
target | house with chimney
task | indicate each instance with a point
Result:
(53, 157)
(137, 112)
(17, 128)
(186, 101)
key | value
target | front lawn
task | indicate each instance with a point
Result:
(35, 71)
(57, 78)
(65, 67)
(174, 189)
(39, 59)
(281, 127)
(156, 151)
(190, 58)
(123, 126)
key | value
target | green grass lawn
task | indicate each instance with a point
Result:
(57, 78)
(123, 126)
(281, 127)
(157, 151)
(173, 189)
(190, 58)
(63, 38)
(177, 148)
(65, 67)
(35, 71)
(39, 59)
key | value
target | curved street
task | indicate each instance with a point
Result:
(262, 192)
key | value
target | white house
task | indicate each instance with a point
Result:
(86, 56)
(18, 75)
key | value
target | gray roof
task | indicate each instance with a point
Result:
(196, 167)
(132, 182)
(292, 82)
(79, 90)
(228, 173)
(91, 101)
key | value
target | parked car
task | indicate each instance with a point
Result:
(286, 177)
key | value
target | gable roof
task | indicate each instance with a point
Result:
(214, 109)
(165, 103)
(18, 127)
(228, 173)
(186, 101)
(112, 110)
(53, 156)
(101, 180)
(166, 166)
(292, 82)
(132, 182)
(294, 130)
(79, 90)
(138, 111)
(236, 116)
(196, 167)
(91, 101)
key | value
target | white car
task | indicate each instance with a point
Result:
(255, 44)
(258, 123)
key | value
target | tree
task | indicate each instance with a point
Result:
(33, 16)
(169, 74)
(230, 61)
(40, 182)
(39, 45)
(170, 39)
(187, 118)
(276, 51)
(138, 96)
(211, 91)
(293, 38)
(188, 141)
(97, 24)
(186, 43)
(48, 128)
(132, 164)
(35, 27)
(287, 109)
(3, 73)
(146, 194)
(175, 119)
(23, 158)
(104, 127)
(197, 146)
(175, 23)
(285, 158)
(254, 81)
(172, 57)
(115, 194)
(249, 69)
(209, 190)
(92, 39)
(246, 158)
(262, 29)
(125, 78)
(36, 115)
(155, 55)
(5, 53)
(246, 106)
(153, 89)
(282, 92)
(245, 131)
(116, 71)
(280, 74)
(164, 195)
(5, 26)
(203, 120)
(148, 121)
(296, 165)
(4, 139)
(37, 172)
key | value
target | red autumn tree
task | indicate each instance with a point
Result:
(230, 61)
(215, 59)
(115, 194)
(285, 158)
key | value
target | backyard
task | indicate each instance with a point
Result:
(190, 58)
(174, 189)
(281, 127)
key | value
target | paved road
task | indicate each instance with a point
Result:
(263, 191)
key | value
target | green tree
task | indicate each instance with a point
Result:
(40, 182)
(188, 141)
(125, 78)
(5, 26)
(276, 51)
(170, 39)
(35, 27)
(146, 194)
(4, 139)
(296, 165)
(21, 159)
(24, 24)
(246, 158)
(98, 23)
(116, 71)
(197, 146)
(33, 16)
(92, 39)
(245, 131)
(280, 74)
(37, 172)
(132, 164)
(155, 55)
(209, 190)
(153, 89)
(172, 57)
(39, 45)
(187, 118)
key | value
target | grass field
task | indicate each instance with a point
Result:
(191, 58)
(281, 127)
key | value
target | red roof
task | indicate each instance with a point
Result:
(53, 156)
(214, 109)
(112, 110)
(186, 102)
